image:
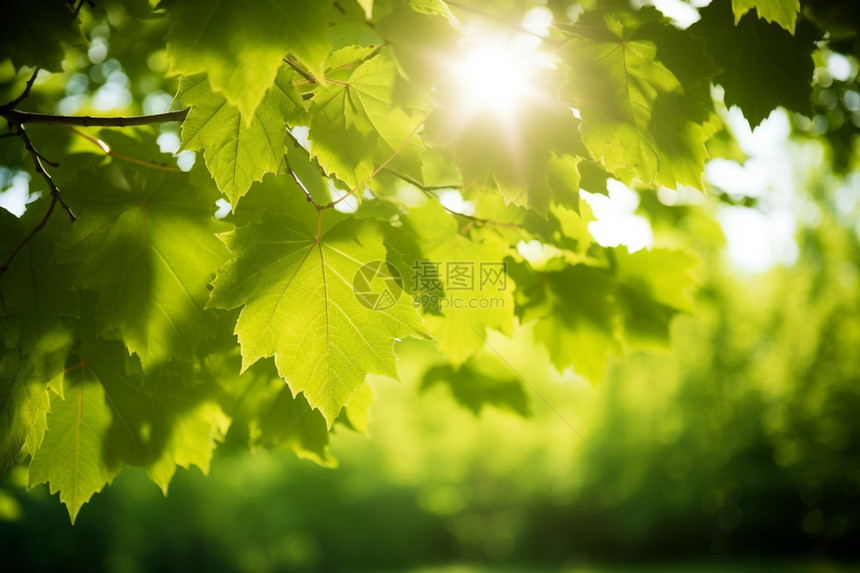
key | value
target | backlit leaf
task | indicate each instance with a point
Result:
(300, 306)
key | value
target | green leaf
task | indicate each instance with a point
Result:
(31, 32)
(112, 416)
(73, 454)
(465, 301)
(422, 46)
(145, 242)
(480, 382)
(259, 401)
(241, 45)
(433, 8)
(649, 299)
(355, 125)
(763, 65)
(24, 397)
(289, 422)
(34, 299)
(642, 89)
(300, 306)
(238, 152)
(575, 316)
(782, 12)
(527, 155)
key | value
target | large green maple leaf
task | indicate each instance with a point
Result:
(300, 306)
(356, 127)
(641, 87)
(111, 415)
(145, 242)
(73, 458)
(763, 65)
(782, 12)
(238, 152)
(241, 45)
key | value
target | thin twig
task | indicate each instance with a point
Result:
(40, 169)
(300, 71)
(301, 185)
(26, 241)
(24, 93)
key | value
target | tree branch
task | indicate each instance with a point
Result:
(17, 119)
(111, 153)
(15, 116)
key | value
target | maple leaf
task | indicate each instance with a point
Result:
(355, 125)
(239, 152)
(241, 45)
(763, 65)
(644, 103)
(132, 243)
(111, 415)
(300, 306)
(782, 12)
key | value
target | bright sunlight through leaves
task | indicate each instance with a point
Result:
(497, 75)
(494, 76)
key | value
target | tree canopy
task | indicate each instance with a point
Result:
(380, 167)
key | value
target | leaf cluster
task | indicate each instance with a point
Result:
(144, 331)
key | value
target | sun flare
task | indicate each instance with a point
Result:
(496, 76)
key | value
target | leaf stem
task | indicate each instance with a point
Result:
(108, 151)
(428, 190)
(383, 164)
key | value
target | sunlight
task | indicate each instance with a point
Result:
(494, 76)
(497, 75)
